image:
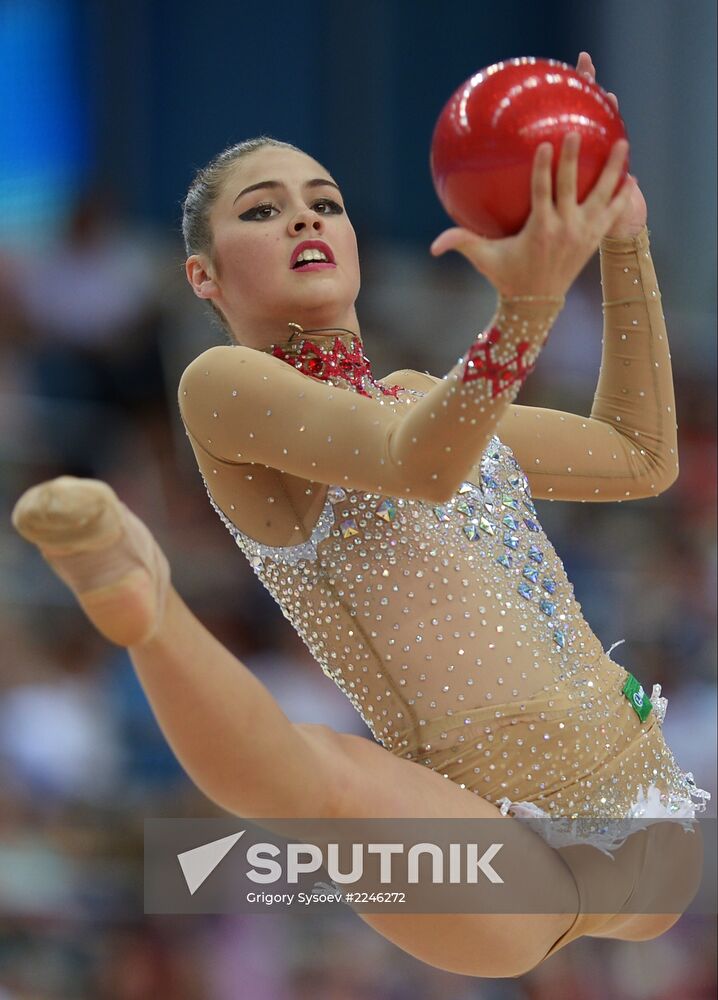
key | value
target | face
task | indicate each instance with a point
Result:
(272, 203)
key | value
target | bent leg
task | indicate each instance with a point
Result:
(669, 879)
(643, 889)
(240, 749)
(231, 736)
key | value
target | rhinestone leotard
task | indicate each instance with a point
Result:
(400, 539)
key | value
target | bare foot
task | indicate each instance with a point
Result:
(102, 551)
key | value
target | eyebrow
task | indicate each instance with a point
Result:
(316, 182)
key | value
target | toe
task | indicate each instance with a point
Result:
(66, 511)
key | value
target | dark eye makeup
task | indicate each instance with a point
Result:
(263, 211)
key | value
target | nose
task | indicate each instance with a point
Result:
(306, 218)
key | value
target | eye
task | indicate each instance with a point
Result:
(259, 212)
(326, 206)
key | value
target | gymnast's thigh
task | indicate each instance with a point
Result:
(377, 785)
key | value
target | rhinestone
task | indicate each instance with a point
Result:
(349, 527)
(386, 510)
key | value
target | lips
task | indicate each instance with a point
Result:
(313, 245)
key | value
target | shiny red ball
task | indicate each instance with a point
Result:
(484, 141)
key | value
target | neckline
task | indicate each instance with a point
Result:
(319, 338)
(332, 355)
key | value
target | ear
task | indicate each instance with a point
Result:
(200, 276)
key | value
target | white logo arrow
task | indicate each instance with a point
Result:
(199, 863)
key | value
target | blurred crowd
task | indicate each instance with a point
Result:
(94, 333)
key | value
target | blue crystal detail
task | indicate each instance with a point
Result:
(441, 514)
(531, 573)
(535, 554)
(530, 505)
(525, 590)
(531, 525)
(471, 532)
(490, 482)
(548, 607)
(465, 507)
(511, 541)
(549, 585)
(510, 521)
(504, 559)
(559, 638)
(508, 501)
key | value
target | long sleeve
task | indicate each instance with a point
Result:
(627, 448)
(245, 406)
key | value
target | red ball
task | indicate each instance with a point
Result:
(484, 142)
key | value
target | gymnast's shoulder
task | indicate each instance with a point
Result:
(235, 361)
(408, 378)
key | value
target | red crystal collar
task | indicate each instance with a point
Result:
(342, 361)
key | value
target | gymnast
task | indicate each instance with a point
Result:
(393, 521)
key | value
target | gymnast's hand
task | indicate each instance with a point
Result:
(632, 221)
(560, 235)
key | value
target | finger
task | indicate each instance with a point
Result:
(452, 239)
(477, 249)
(541, 178)
(613, 99)
(619, 204)
(601, 193)
(585, 66)
(567, 172)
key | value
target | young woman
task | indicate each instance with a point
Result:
(393, 521)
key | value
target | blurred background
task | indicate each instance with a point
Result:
(107, 110)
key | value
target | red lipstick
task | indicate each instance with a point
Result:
(314, 265)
